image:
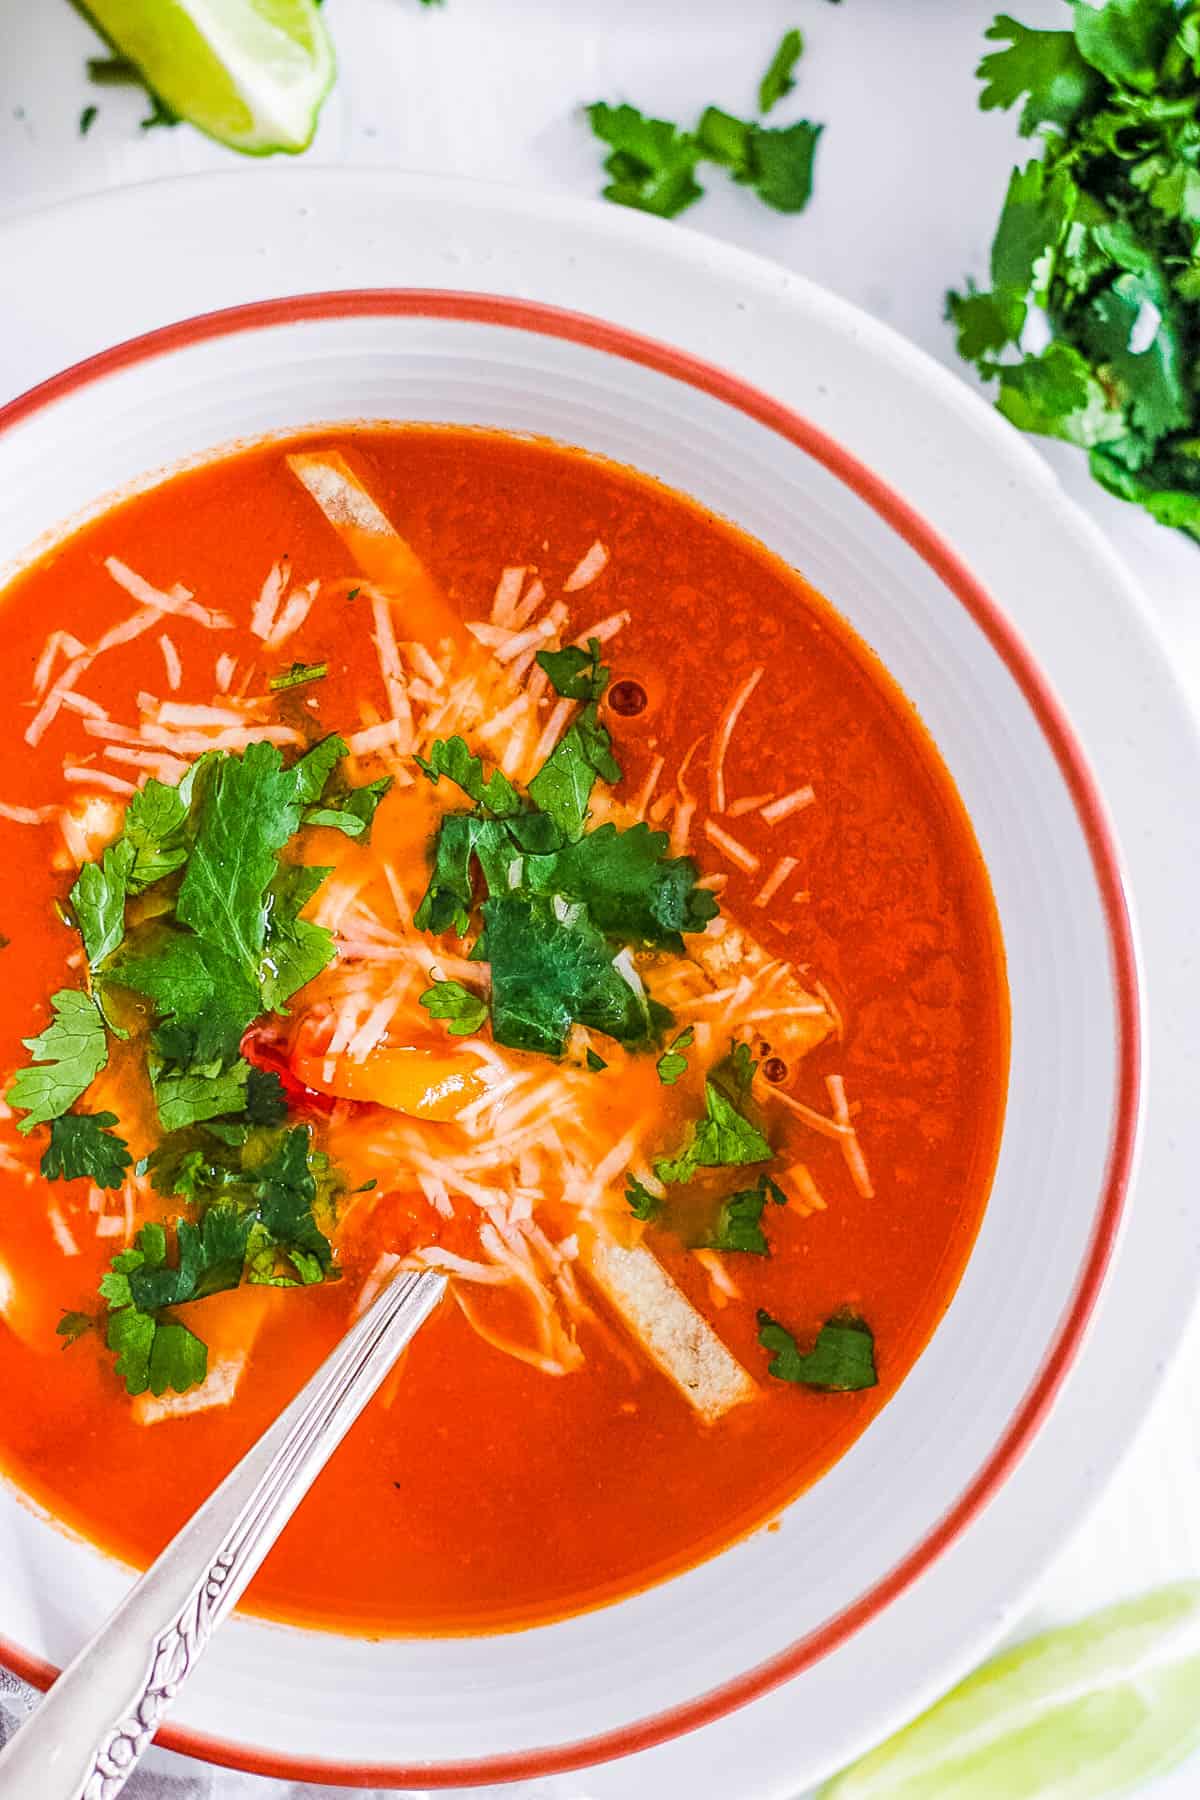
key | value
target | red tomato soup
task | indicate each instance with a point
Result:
(431, 848)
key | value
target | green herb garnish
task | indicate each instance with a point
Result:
(739, 1222)
(842, 1360)
(463, 1011)
(67, 1057)
(563, 785)
(452, 758)
(642, 1203)
(777, 79)
(551, 968)
(673, 1063)
(1099, 243)
(574, 673)
(652, 163)
(723, 1138)
(72, 1326)
(83, 1146)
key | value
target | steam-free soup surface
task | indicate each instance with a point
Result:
(481, 1489)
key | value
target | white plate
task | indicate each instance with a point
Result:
(989, 496)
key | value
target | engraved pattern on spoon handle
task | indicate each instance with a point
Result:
(88, 1735)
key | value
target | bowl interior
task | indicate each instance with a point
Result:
(268, 1686)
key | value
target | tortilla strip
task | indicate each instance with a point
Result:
(670, 1330)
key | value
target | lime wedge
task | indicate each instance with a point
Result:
(1089, 1711)
(251, 73)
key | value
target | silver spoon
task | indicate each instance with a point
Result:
(91, 1730)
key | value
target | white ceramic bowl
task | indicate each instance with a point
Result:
(457, 1710)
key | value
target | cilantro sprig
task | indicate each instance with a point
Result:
(652, 163)
(1097, 249)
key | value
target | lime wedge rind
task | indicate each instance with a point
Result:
(1086, 1712)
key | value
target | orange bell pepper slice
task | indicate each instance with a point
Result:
(425, 1084)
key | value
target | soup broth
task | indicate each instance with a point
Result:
(645, 1352)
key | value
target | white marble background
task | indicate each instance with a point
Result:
(909, 181)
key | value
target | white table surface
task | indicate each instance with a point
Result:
(909, 181)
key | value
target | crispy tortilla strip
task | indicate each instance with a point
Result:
(667, 1326)
(377, 548)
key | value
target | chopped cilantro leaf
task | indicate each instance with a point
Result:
(296, 950)
(736, 1073)
(778, 77)
(563, 785)
(1126, 39)
(98, 901)
(259, 1193)
(452, 757)
(72, 1326)
(781, 164)
(595, 1063)
(463, 1011)
(574, 673)
(723, 1138)
(87, 119)
(204, 999)
(633, 890)
(551, 968)
(266, 1101)
(739, 1222)
(186, 1099)
(462, 837)
(210, 1259)
(673, 1063)
(67, 1057)
(154, 822)
(246, 813)
(155, 1355)
(652, 163)
(351, 811)
(298, 676)
(311, 774)
(642, 1203)
(83, 1146)
(841, 1361)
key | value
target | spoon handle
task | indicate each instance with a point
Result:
(91, 1730)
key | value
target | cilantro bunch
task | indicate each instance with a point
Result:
(1092, 322)
(560, 906)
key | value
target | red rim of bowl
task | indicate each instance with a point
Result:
(595, 334)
